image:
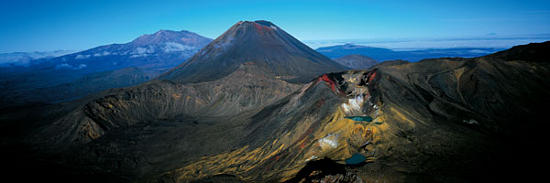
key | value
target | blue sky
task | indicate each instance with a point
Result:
(44, 25)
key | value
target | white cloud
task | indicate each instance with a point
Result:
(104, 53)
(62, 66)
(82, 57)
(138, 55)
(80, 66)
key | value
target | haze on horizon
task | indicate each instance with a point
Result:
(77, 25)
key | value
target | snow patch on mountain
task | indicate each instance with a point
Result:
(174, 47)
(78, 57)
(104, 53)
(68, 66)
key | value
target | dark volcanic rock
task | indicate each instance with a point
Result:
(530, 52)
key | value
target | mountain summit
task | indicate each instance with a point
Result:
(261, 43)
(169, 36)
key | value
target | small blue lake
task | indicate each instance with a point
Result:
(360, 118)
(356, 159)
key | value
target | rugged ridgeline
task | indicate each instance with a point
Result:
(201, 108)
(443, 120)
(75, 75)
(447, 120)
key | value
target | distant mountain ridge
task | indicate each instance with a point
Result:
(384, 54)
(162, 49)
(355, 61)
(70, 76)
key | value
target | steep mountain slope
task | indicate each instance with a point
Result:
(358, 62)
(261, 43)
(383, 54)
(154, 117)
(151, 54)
